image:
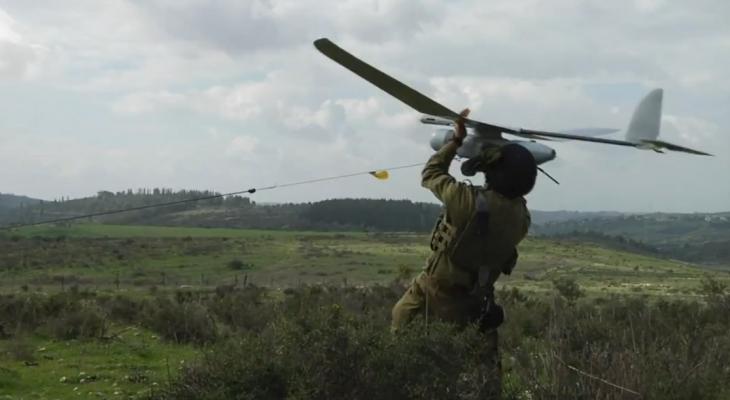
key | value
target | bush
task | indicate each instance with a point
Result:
(180, 322)
(325, 342)
(86, 321)
(247, 309)
(330, 354)
(239, 265)
(568, 288)
(121, 308)
(328, 342)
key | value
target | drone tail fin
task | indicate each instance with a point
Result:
(646, 120)
(645, 124)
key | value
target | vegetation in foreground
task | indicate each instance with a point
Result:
(138, 312)
(325, 342)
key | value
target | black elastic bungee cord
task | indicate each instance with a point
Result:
(194, 199)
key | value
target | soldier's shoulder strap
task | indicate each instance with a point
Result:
(481, 215)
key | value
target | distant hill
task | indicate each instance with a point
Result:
(238, 212)
(649, 228)
(545, 217)
(11, 206)
(9, 201)
(379, 214)
(696, 237)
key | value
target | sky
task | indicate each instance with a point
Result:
(230, 94)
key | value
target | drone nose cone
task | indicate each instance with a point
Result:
(540, 152)
(440, 137)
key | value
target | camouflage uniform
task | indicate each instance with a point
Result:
(468, 253)
(466, 259)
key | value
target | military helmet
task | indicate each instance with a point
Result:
(510, 170)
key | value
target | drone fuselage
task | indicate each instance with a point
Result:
(474, 144)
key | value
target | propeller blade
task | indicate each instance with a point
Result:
(390, 85)
(548, 175)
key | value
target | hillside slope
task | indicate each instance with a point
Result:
(10, 201)
(691, 237)
(95, 255)
(703, 238)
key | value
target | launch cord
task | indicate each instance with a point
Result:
(195, 199)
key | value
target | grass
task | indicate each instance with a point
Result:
(138, 257)
(138, 261)
(132, 231)
(131, 364)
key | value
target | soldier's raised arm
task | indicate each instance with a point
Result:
(435, 175)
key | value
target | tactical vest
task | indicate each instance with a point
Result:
(485, 246)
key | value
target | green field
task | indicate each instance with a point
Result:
(136, 257)
(133, 363)
(140, 261)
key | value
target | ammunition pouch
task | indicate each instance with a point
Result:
(442, 235)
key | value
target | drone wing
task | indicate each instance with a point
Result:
(424, 104)
(530, 133)
(642, 132)
(480, 128)
(656, 145)
(414, 99)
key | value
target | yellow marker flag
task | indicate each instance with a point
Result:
(380, 174)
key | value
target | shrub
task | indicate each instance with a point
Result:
(568, 288)
(239, 265)
(180, 322)
(246, 309)
(85, 321)
(121, 308)
(333, 342)
(330, 354)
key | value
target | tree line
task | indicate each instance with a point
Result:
(236, 211)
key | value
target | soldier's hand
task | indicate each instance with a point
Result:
(460, 131)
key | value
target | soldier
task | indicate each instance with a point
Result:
(474, 240)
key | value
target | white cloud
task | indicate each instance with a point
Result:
(19, 59)
(259, 25)
(7, 33)
(689, 129)
(173, 85)
(147, 102)
(242, 146)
